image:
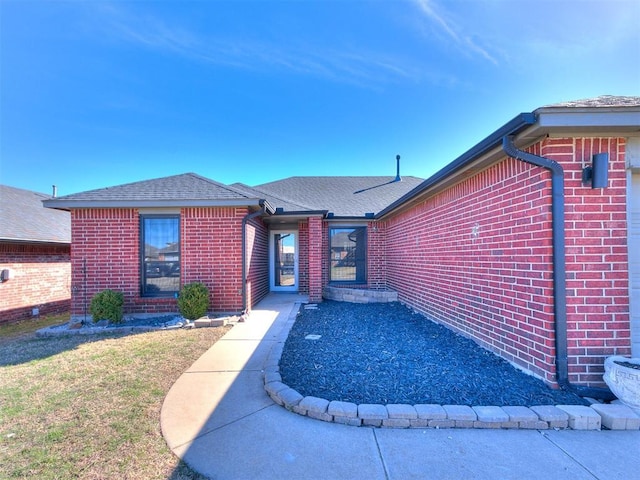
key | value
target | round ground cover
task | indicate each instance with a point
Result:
(386, 353)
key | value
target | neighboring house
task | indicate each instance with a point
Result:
(35, 263)
(510, 244)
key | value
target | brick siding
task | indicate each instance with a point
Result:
(303, 257)
(41, 276)
(478, 257)
(257, 261)
(317, 251)
(106, 254)
(376, 258)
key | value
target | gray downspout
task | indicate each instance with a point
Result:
(559, 268)
(245, 220)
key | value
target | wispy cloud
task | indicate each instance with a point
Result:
(347, 65)
(438, 16)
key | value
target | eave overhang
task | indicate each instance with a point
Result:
(527, 129)
(27, 241)
(62, 204)
(293, 216)
(482, 153)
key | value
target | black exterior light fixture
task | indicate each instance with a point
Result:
(598, 172)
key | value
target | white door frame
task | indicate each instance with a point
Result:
(272, 269)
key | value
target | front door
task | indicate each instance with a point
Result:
(284, 261)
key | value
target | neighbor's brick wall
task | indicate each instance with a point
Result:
(478, 257)
(41, 278)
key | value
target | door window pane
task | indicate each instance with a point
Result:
(348, 254)
(160, 255)
(284, 259)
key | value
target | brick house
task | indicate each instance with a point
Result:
(529, 243)
(35, 262)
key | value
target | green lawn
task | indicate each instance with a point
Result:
(89, 406)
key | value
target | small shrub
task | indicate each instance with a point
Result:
(107, 305)
(193, 300)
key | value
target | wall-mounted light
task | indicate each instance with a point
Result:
(598, 172)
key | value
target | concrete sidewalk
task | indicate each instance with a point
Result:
(219, 419)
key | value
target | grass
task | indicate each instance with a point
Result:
(12, 331)
(89, 406)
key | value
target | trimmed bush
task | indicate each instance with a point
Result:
(193, 300)
(107, 305)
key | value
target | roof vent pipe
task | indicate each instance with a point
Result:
(398, 178)
(559, 269)
(55, 191)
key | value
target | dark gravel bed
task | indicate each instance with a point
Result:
(385, 353)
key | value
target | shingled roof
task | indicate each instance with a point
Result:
(23, 218)
(183, 190)
(340, 196)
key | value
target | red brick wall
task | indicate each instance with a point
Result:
(41, 278)
(257, 261)
(212, 253)
(597, 263)
(303, 257)
(317, 253)
(376, 259)
(106, 241)
(105, 254)
(478, 257)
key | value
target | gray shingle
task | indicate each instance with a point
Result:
(342, 196)
(187, 186)
(24, 218)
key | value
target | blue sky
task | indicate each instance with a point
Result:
(95, 94)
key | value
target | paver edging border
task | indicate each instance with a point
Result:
(614, 416)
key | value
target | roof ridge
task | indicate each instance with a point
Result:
(44, 195)
(218, 184)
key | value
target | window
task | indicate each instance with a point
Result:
(348, 254)
(160, 265)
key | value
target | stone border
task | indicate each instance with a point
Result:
(614, 416)
(56, 330)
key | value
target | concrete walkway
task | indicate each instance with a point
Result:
(218, 418)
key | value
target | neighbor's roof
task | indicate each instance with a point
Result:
(185, 190)
(602, 101)
(340, 196)
(23, 218)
